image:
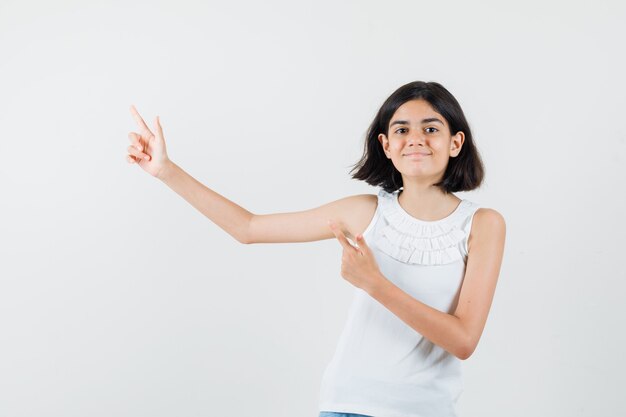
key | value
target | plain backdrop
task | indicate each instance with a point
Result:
(118, 298)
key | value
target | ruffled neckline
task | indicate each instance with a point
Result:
(415, 241)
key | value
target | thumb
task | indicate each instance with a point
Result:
(360, 240)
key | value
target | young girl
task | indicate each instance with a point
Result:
(424, 264)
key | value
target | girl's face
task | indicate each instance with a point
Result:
(419, 142)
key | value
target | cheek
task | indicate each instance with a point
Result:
(441, 147)
(395, 146)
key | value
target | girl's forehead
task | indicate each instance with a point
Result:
(416, 110)
(416, 106)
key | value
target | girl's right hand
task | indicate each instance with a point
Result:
(146, 149)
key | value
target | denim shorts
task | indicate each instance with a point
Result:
(334, 414)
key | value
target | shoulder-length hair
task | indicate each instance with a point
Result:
(464, 172)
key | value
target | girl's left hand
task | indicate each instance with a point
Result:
(358, 265)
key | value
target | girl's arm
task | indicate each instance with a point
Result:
(303, 226)
(231, 217)
(148, 150)
(458, 333)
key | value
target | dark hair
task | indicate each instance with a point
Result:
(464, 172)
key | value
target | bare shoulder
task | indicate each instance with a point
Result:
(360, 209)
(489, 216)
(487, 224)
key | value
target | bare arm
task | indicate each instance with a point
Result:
(246, 227)
(148, 150)
(460, 332)
(350, 213)
(231, 217)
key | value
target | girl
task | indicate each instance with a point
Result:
(424, 262)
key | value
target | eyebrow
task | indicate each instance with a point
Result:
(404, 122)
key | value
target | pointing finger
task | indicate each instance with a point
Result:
(140, 122)
(340, 236)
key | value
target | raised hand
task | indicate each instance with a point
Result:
(147, 149)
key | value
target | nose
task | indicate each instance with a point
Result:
(416, 138)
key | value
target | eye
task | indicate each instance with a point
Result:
(435, 129)
(402, 128)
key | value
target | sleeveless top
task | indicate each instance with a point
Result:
(382, 367)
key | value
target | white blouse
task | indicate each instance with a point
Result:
(382, 367)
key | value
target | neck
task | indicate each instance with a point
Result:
(426, 202)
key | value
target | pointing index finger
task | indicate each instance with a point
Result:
(341, 237)
(140, 121)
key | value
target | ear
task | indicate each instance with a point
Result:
(456, 143)
(384, 143)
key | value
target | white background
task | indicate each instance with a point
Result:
(117, 298)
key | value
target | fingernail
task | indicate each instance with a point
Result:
(146, 157)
